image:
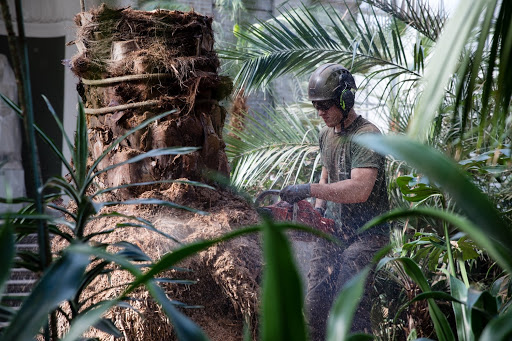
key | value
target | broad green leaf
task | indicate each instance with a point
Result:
(342, 312)
(484, 307)
(443, 63)
(412, 269)
(415, 192)
(467, 248)
(462, 312)
(6, 251)
(495, 250)
(81, 151)
(282, 301)
(107, 326)
(59, 283)
(450, 178)
(498, 329)
(83, 322)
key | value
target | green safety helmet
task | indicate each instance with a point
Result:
(332, 82)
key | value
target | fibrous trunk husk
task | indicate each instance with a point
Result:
(134, 65)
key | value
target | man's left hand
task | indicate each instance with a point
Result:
(295, 193)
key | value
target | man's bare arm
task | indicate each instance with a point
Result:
(354, 190)
(323, 180)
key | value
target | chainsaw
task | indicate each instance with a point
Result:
(301, 212)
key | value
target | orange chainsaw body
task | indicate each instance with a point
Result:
(305, 214)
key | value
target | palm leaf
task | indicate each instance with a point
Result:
(415, 13)
(59, 283)
(281, 147)
(300, 39)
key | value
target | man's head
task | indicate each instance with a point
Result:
(332, 85)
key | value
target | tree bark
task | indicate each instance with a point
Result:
(134, 65)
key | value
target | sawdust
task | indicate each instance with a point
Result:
(227, 275)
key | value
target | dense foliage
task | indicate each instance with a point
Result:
(441, 81)
(449, 89)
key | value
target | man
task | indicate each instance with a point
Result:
(351, 190)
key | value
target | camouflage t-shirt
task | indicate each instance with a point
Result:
(339, 155)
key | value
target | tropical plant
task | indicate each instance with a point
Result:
(82, 190)
(296, 42)
(275, 148)
(388, 52)
(461, 105)
(484, 225)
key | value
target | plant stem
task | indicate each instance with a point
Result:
(28, 115)
(448, 244)
(19, 57)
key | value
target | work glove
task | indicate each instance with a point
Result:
(295, 193)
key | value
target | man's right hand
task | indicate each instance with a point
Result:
(295, 193)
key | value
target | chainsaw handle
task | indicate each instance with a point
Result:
(265, 194)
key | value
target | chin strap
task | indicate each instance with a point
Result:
(342, 122)
(343, 129)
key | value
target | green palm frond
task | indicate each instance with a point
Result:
(416, 13)
(300, 39)
(279, 147)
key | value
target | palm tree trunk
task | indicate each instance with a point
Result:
(134, 65)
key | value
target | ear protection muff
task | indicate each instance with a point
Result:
(347, 99)
(344, 92)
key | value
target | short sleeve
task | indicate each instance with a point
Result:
(363, 157)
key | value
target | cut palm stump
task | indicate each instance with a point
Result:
(133, 65)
